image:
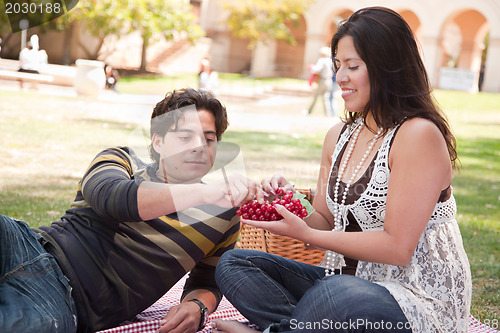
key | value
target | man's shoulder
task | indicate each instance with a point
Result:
(122, 152)
(123, 155)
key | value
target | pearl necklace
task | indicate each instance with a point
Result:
(333, 259)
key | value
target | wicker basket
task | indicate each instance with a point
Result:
(258, 239)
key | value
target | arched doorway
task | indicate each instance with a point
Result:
(332, 25)
(412, 19)
(463, 38)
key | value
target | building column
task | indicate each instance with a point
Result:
(470, 56)
(219, 50)
(432, 54)
(491, 81)
(263, 59)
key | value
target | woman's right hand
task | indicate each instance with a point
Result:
(270, 185)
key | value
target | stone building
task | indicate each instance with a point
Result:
(452, 34)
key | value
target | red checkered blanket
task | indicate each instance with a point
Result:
(149, 320)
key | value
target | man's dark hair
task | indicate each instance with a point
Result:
(168, 112)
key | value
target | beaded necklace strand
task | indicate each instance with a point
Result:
(333, 259)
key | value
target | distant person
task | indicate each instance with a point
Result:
(481, 78)
(31, 58)
(323, 68)
(334, 106)
(208, 80)
(112, 77)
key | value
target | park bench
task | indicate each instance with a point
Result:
(21, 76)
(50, 73)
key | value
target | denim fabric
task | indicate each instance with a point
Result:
(35, 296)
(288, 296)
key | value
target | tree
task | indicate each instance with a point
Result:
(264, 19)
(31, 14)
(5, 31)
(99, 17)
(152, 18)
(160, 17)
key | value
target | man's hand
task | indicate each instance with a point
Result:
(182, 318)
(234, 191)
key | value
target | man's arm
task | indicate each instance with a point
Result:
(156, 199)
(109, 188)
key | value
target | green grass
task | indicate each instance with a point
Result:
(157, 85)
(475, 120)
(47, 143)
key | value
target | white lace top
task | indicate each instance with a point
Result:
(434, 288)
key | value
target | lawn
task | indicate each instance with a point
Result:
(48, 141)
(228, 82)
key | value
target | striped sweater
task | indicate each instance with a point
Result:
(117, 264)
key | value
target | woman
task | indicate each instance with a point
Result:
(387, 171)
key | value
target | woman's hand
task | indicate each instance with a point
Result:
(291, 225)
(270, 185)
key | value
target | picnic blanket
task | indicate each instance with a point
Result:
(149, 320)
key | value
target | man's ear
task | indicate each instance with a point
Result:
(156, 141)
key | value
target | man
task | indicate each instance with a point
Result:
(323, 68)
(131, 233)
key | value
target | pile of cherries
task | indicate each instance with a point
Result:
(256, 211)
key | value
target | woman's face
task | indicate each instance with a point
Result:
(352, 76)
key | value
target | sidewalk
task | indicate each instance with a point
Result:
(266, 110)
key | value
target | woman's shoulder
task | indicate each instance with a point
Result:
(332, 137)
(419, 128)
(419, 137)
(334, 132)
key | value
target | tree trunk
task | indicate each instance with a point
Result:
(66, 53)
(145, 43)
(91, 54)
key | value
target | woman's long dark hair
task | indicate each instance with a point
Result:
(399, 84)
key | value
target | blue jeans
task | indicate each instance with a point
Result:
(35, 296)
(288, 296)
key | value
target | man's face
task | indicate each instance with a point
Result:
(187, 152)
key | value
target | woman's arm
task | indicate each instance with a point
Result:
(322, 218)
(420, 170)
